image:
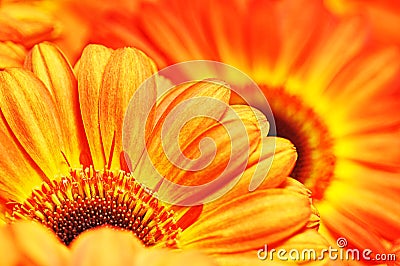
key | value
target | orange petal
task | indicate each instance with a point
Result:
(11, 54)
(263, 49)
(51, 67)
(379, 208)
(293, 43)
(90, 77)
(164, 31)
(234, 137)
(28, 243)
(276, 162)
(29, 111)
(248, 222)
(365, 72)
(181, 134)
(183, 92)
(105, 246)
(126, 70)
(340, 45)
(187, 132)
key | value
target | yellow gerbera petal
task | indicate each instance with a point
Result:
(15, 167)
(51, 67)
(90, 76)
(126, 70)
(245, 222)
(27, 108)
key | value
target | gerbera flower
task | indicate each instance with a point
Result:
(332, 95)
(64, 166)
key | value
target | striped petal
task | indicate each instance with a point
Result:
(274, 162)
(107, 80)
(18, 171)
(247, 222)
(90, 76)
(126, 70)
(51, 67)
(28, 110)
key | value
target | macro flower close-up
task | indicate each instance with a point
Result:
(227, 132)
(333, 92)
(67, 168)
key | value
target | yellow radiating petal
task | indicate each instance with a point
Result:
(90, 76)
(165, 29)
(379, 207)
(293, 43)
(29, 111)
(51, 67)
(126, 70)
(357, 232)
(339, 46)
(42, 247)
(249, 221)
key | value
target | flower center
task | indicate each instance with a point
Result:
(87, 199)
(307, 131)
